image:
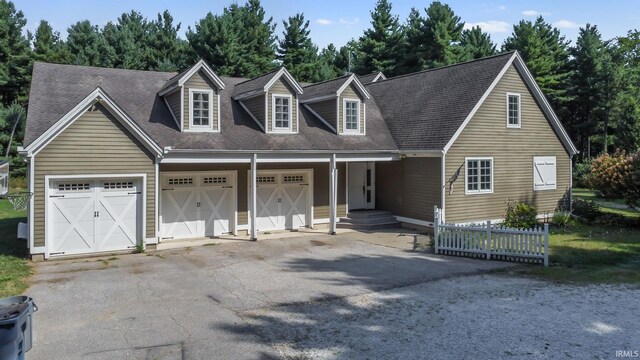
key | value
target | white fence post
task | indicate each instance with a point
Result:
(488, 249)
(546, 244)
(436, 221)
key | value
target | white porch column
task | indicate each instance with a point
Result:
(253, 210)
(333, 195)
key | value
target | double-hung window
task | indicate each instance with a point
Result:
(351, 116)
(513, 110)
(479, 175)
(281, 113)
(201, 112)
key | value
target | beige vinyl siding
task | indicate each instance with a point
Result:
(278, 88)
(350, 93)
(320, 184)
(487, 135)
(326, 109)
(173, 100)
(200, 81)
(95, 143)
(256, 107)
(409, 187)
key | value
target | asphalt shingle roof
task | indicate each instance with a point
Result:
(367, 79)
(323, 88)
(56, 89)
(257, 83)
(423, 110)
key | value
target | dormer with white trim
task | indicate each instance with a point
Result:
(339, 103)
(193, 97)
(271, 100)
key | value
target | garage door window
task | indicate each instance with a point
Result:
(214, 180)
(118, 185)
(74, 187)
(292, 179)
(181, 181)
(266, 179)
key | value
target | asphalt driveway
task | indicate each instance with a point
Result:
(309, 297)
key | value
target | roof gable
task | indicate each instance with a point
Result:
(332, 88)
(95, 97)
(263, 83)
(371, 78)
(184, 76)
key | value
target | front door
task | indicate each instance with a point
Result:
(361, 185)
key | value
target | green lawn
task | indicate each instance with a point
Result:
(589, 253)
(607, 205)
(14, 268)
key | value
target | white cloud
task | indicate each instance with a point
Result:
(324, 21)
(490, 26)
(502, 8)
(566, 24)
(535, 13)
(349, 22)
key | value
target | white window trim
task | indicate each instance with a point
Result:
(555, 167)
(355, 131)
(476, 192)
(275, 129)
(203, 128)
(519, 125)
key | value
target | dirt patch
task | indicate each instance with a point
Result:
(318, 243)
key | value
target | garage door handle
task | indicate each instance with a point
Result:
(227, 187)
(167, 189)
(135, 192)
(56, 196)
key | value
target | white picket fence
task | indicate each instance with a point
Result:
(491, 241)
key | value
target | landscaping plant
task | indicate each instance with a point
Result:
(617, 176)
(520, 215)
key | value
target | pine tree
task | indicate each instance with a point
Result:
(239, 42)
(297, 52)
(166, 50)
(129, 39)
(380, 45)
(87, 46)
(546, 54)
(413, 47)
(47, 45)
(328, 66)
(15, 55)
(442, 32)
(625, 115)
(12, 122)
(476, 44)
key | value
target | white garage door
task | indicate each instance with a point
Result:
(93, 215)
(282, 200)
(197, 205)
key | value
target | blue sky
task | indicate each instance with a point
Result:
(337, 21)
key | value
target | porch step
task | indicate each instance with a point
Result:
(368, 220)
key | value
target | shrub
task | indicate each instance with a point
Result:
(586, 209)
(520, 215)
(617, 176)
(611, 220)
(561, 218)
(581, 171)
(18, 182)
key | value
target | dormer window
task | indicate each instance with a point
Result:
(351, 115)
(282, 112)
(201, 115)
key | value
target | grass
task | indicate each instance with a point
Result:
(14, 267)
(607, 205)
(592, 254)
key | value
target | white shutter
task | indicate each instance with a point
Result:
(544, 173)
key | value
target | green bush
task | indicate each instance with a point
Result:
(617, 176)
(611, 220)
(561, 218)
(18, 182)
(581, 171)
(520, 215)
(586, 209)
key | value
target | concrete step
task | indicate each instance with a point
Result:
(382, 225)
(368, 214)
(373, 221)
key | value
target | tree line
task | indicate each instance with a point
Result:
(594, 84)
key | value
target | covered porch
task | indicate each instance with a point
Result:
(252, 194)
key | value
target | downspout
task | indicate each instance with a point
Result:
(442, 183)
(571, 183)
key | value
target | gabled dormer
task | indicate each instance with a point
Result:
(193, 97)
(372, 77)
(340, 103)
(271, 100)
